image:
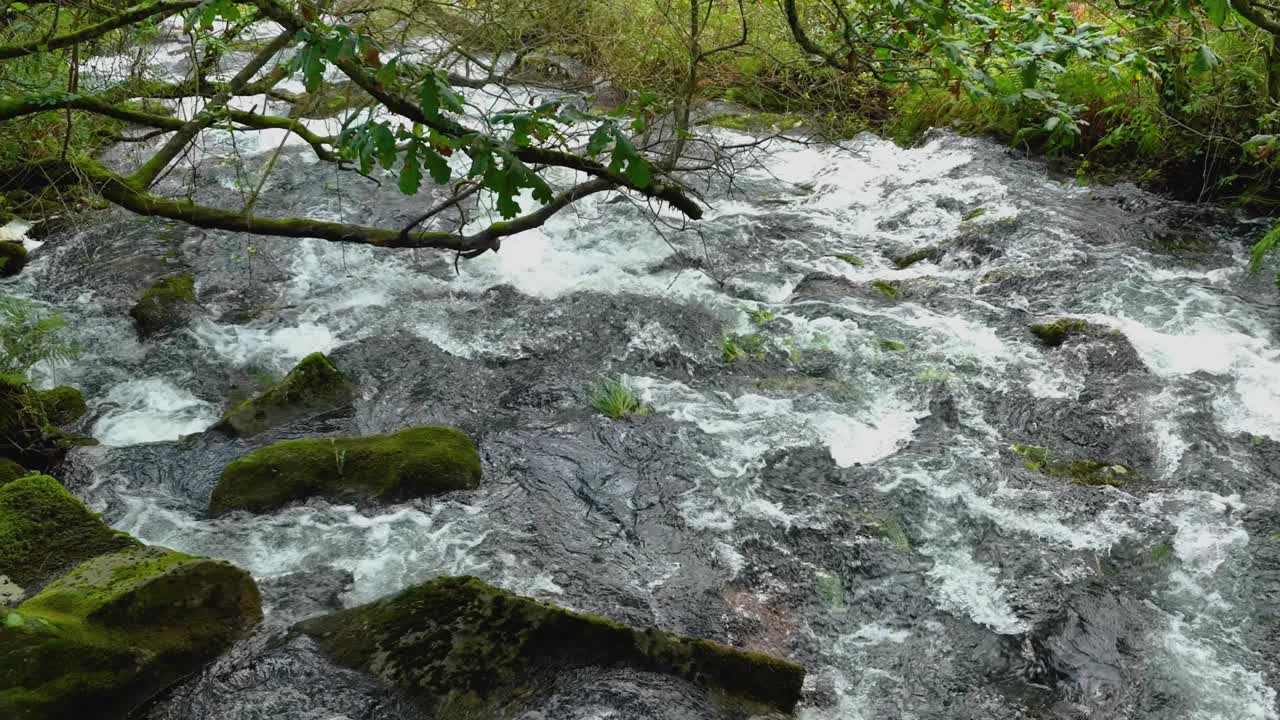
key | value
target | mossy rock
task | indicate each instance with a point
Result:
(314, 386)
(890, 289)
(907, 259)
(1081, 471)
(62, 405)
(117, 629)
(1054, 334)
(411, 463)
(13, 258)
(467, 649)
(44, 530)
(28, 434)
(165, 305)
(10, 471)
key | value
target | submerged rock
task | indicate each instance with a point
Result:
(123, 623)
(313, 386)
(408, 464)
(165, 305)
(13, 258)
(467, 649)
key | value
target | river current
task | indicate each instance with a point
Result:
(844, 493)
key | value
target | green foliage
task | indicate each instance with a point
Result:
(762, 316)
(30, 335)
(1264, 247)
(613, 399)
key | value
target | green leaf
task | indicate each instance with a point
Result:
(17, 6)
(626, 160)
(1206, 59)
(437, 166)
(435, 95)
(600, 140)
(1217, 10)
(384, 145)
(411, 172)
(1263, 247)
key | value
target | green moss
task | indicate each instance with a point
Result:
(44, 529)
(887, 288)
(892, 345)
(906, 260)
(467, 649)
(973, 214)
(853, 260)
(1055, 333)
(314, 386)
(164, 305)
(13, 258)
(62, 405)
(411, 463)
(742, 347)
(762, 317)
(1079, 471)
(118, 628)
(613, 399)
(10, 470)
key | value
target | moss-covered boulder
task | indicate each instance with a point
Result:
(165, 306)
(10, 471)
(62, 405)
(29, 418)
(466, 649)
(411, 463)
(1080, 471)
(314, 386)
(110, 634)
(44, 530)
(1054, 334)
(13, 258)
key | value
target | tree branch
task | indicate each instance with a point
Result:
(128, 17)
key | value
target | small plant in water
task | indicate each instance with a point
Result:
(730, 351)
(339, 456)
(762, 316)
(613, 399)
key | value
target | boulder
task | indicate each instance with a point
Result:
(28, 419)
(314, 386)
(9, 471)
(45, 530)
(165, 306)
(466, 649)
(408, 464)
(13, 258)
(117, 629)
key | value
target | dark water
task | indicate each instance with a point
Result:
(829, 498)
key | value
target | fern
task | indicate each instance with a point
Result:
(30, 335)
(1263, 247)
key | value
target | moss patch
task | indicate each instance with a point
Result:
(13, 258)
(853, 260)
(1079, 470)
(892, 345)
(10, 471)
(887, 288)
(411, 463)
(906, 260)
(62, 405)
(314, 386)
(44, 529)
(1055, 333)
(165, 305)
(117, 629)
(471, 650)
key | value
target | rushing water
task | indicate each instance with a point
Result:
(833, 499)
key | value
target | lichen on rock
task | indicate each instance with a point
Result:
(467, 649)
(166, 305)
(411, 463)
(314, 386)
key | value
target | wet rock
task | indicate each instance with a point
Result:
(165, 306)
(13, 258)
(1080, 471)
(468, 649)
(411, 463)
(314, 386)
(118, 628)
(1053, 334)
(905, 260)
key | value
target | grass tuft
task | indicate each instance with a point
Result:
(613, 399)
